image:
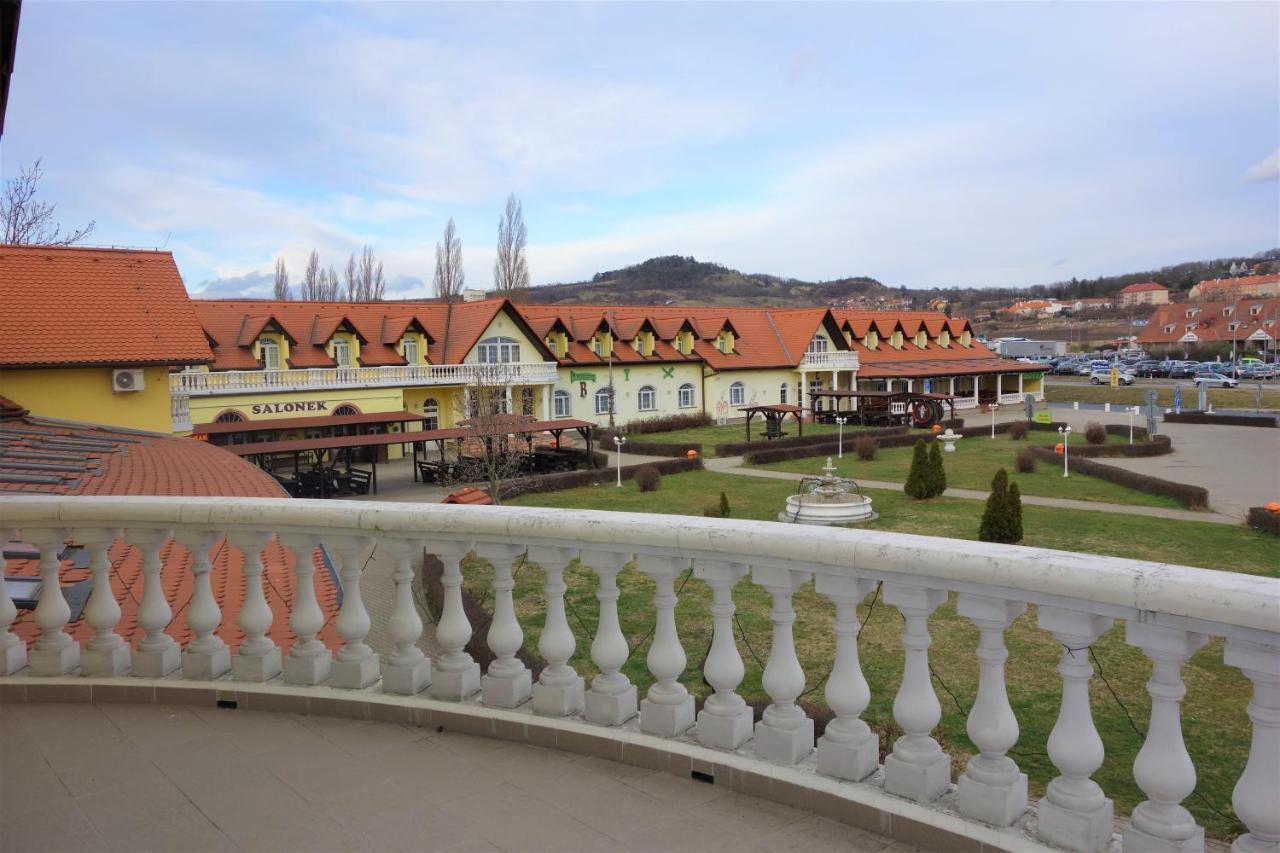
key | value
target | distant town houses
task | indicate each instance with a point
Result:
(1242, 321)
(1236, 287)
(1144, 293)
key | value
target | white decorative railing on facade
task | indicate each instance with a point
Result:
(196, 383)
(830, 360)
(180, 412)
(1170, 612)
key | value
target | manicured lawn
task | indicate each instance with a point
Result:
(975, 462)
(1244, 397)
(1214, 692)
(710, 436)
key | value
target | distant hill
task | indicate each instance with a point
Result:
(675, 279)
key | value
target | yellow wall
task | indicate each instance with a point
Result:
(762, 387)
(627, 381)
(504, 327)
(205, 409)
(84, 394)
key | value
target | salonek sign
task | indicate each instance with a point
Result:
(286, 408)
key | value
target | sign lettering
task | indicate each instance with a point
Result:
(581, 375)
(284, 408)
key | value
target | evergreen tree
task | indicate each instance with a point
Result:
(917, 485)
(724, 505)
(1015, 512)
(996, 518)
(937, 474)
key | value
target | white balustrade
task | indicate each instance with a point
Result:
(206, 383)
(1169, 612)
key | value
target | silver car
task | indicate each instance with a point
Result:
(1215, 380)
(1103, 377)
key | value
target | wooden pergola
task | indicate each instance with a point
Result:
(919, 407)
(774, 415)
(246, 432)
(489, 427)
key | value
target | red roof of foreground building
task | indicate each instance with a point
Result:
(105, 461)
(70, 306)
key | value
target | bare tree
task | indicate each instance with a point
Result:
(493, 453)
(372, 284)
(28, 221)
(282, 280)
(510, 269)
(311, 279)
(332, 287)
(352, 279)
(449, 276)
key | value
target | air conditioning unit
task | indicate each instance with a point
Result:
(123, 381)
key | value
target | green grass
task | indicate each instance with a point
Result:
(1244, 397)
(1214, 691)
(975, 462)
(710, 436)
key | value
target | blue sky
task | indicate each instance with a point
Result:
(923, 144)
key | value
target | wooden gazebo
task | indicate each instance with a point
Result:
(774, 415)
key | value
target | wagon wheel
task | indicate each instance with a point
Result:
(922, 414)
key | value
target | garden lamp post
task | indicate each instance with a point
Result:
(994, 406)
(1133, 410)
(618, 441)
(1065, 432)
(840, 422)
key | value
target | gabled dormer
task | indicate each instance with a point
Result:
(1192, 312)
(267, 340)
(944, 339)
(602, 343)
(871, 340)
(1228, 311)
(727, 338)
(921, 339)
(966, 338)
(409, 338)
(897, 340)
(343, 345)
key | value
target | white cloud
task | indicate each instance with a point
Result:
(1268, 169)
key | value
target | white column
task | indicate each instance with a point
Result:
(667, 710)
(1019, 384)
(55, 653)
(560, 691)
(206, 657)
(407, 670)
(835, 384)
(456, 676)
(508, 682)
(803, 396)
(106, 654)
(309, 660)
(356, 666)
(1163, 769)
(157, 653)
(976, 383)
(917, 769)
(784, 734)
(13, 651)
(992, 788)
(611, 701)
(1258, 789)
(547, 391)
(952, 392)
(1074, 813)
(726, 720)
(258, 658)
(848, 749)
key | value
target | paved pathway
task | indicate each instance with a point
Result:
(151, 777)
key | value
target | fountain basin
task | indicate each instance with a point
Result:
(818, 509)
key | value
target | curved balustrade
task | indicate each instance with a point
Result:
(1169, 611)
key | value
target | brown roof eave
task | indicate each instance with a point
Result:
(168, 362)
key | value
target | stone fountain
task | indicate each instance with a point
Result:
(827, 500)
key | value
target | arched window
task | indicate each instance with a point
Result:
(686, 396)
(270, 353)
(499, 350)
(818, 344)
(782, 393)
(431, 413)
(737, 394)
(563, 404)
(230, 416)
(647, 399)
(602, 401)
(345, 409)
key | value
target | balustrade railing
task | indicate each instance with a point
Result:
(201, 383)
(180, 412)
(1169, 611)
(830, 360)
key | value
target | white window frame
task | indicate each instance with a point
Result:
(266, 345)
(431, 413)
(498, 350)
(603, 396)
(562, 404)
(783, 391)
(818, 344)
(649, 405)
(687, 396)
(411, 344)
(342, 352)
(737, 394)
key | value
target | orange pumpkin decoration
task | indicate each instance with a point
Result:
(1274, 506)
(937, 428)
(691, 453)
(1058, 448)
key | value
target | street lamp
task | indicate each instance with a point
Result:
(1133, 410)
(994, 406)
(618, 441)
(1065, 432)
(840, 422)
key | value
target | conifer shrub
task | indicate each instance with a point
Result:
(1015, 511)
(1025, 461)
(917, 485)
(997, 519)
(1095, 433)
(1018, 430)
(937, 473)
(720, 510)
(648, 478)
(724, 505)
(866, 447)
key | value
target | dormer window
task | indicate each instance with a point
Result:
(551, 345)
(944, 338)
(871, 340)
(499, 351)
(270, 351)
(597, 346)
(342, 352)
(1228, 311)
(818, 344)
(896, 342)
(966, 338)
(1191, 327)
(1169, 329)
(1231, 327)
(922, 339)
(1255, 310)
(411, 354)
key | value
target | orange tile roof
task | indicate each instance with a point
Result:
(1208, 322)
(65, 307)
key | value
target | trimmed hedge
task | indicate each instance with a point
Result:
(651, 448)
(1158, 446)
(737, 448)
(1192, 497)
(668, 423)
(574, 479)
(1261, 518)
(1270, 421)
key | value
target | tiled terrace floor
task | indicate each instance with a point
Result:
(156, 778)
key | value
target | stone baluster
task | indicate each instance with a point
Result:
(508, 682)
(356, 666)
(106, 654)
(784, 734)
(848, 749)
(612, 699)
(456, 675)
(309, 660)
(726, 720)
(917, 769)
(1258, 789)
(1163, 769)
(559, 691)
(55, 653)
(1074, 813)
(258, 658)
(992, 788)
(407, 670)
(206, 657)
(667, 709)
(13, 652)
(157, 654)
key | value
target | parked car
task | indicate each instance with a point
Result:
(1103, 377)
(1181, 371)
(1148, 369)
(1215, 380)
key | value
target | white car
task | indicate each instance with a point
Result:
(1103, 377)
(1216, 380)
